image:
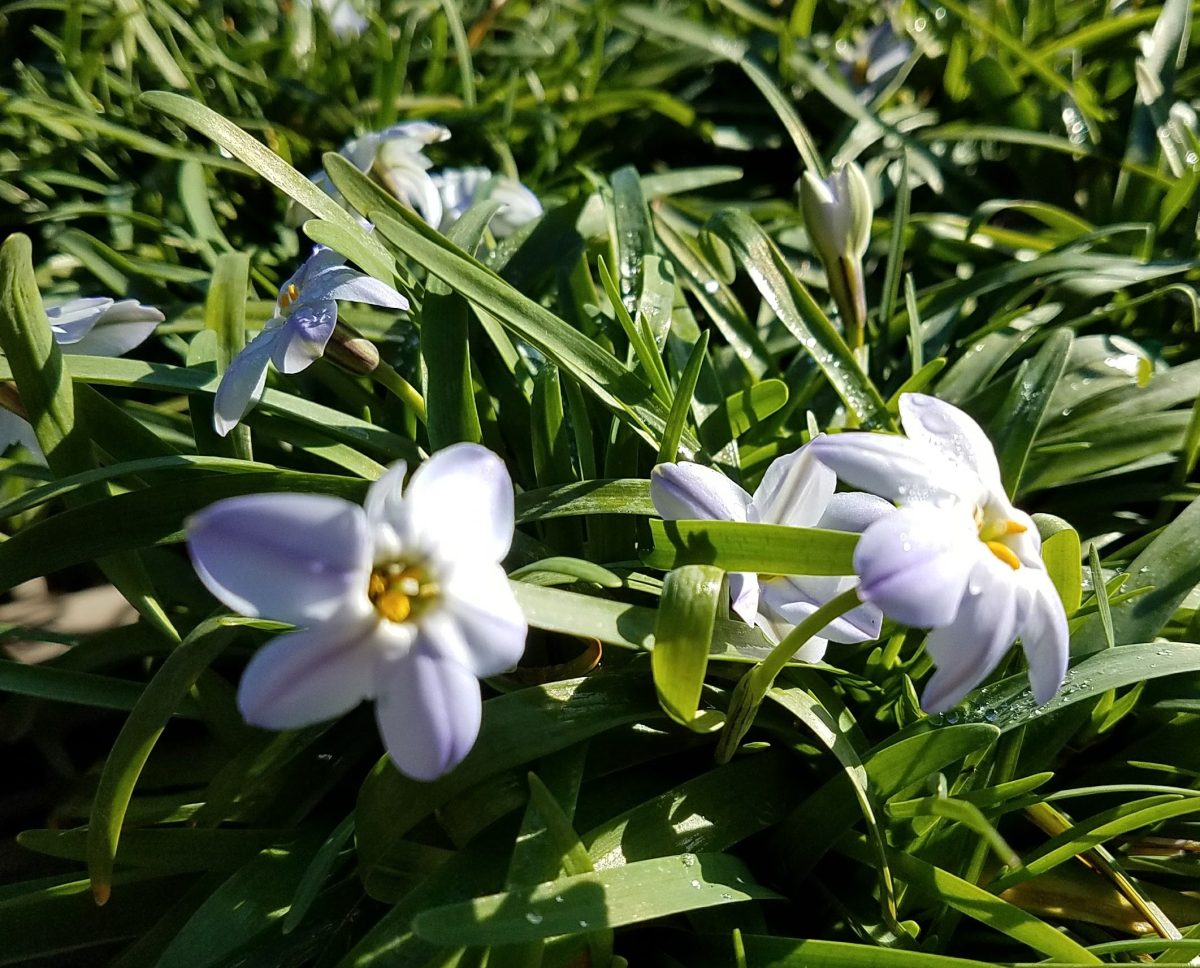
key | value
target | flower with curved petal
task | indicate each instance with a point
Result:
(460, 188)
(956, 557)
(295, 335)
(90, 326)
(798, 491)
(395, 156)
(403, 601)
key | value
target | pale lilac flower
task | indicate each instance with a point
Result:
(957, 557)
(837, 214)
(798, 491)
(90, 326)
(876, 58)
(395, 156)
(403, 601)
(295, 335)
(460, 188)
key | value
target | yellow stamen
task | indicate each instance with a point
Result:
(1004, 553)
(289, 295)
(397, 590)
(1014, 527)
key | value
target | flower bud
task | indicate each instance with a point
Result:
(837, 212)
(351, 350)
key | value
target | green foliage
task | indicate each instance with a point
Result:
(1034, 172)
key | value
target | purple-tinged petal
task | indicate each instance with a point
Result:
(344, 283)
(794, 491)
(300, 558)
(686, 490)
(73, 320)
(776, 630)
(488, 628)
(459, 506)
(943, 426)
(428, 710)
(242, 384)
(1043, 631)
(794, 598)
(310, 676)
(411, 184)
(384, 509)
(119, 329)
(914, 563)
(743, 595)
(969, 648)
(854, 511)
(899, 469)
(15, 430)
(301, 340)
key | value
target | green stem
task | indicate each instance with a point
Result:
(752, 688)
(387, 377)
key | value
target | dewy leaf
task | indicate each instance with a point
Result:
(686, 613)
(797, 310)
(1063, 558)
(1170, 568)
(368, 252)
(630, 894)
(1026, 406)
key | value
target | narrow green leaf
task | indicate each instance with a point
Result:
(609, 898)
(1103, 609)
(686, 613)
(1026, 405)
(771, 549)
(681, 404)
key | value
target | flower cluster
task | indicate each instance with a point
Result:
(403, 601)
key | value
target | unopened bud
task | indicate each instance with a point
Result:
(351, 350)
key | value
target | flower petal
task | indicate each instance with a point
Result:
(73, 320)
(969, 648)
(686, 490)
(384, 506)
(1043, 631)
(854, 511)
(15, 430)
(301, 340)
(310, 676)
(743, 595)
(489, 628)
(120, 328)
(794, 491)
(951, 431)
(243, 382)
(343, 282)
(776, 629)
(794, 598)
(299, 558)
(899, 469)
(914, 564)
(459, 505)
(428, 710)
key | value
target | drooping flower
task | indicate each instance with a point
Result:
(460, 188)
(874, 60)
(403, 601)
(957, 557)
(90, 326)
(297, 332)
(395, 156)
(798, 491)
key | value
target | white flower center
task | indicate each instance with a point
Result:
(402, 591)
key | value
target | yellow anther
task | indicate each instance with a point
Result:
(397, 590)
(1014, 527)
(1004, 553)
(289, 295)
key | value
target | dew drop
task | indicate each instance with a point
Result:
(696, 885)
(558, 899)
(533, 917)
(582, 923)
(688, 860)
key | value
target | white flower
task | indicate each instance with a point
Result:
(460, 188)
(876, 58)
(345, 17)
(837, 213)
(957, 557)
(403, 601)
(296, 334)
(395, 156)
(796, 490)
(91, 326)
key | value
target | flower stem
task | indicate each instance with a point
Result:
(387, 377)
(752, 688)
